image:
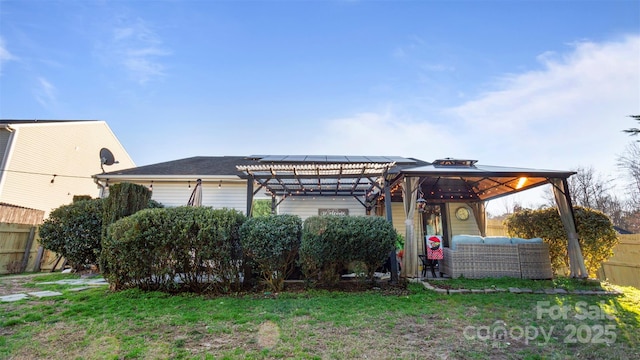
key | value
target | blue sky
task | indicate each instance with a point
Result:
(541, 84)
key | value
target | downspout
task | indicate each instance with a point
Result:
(97, 181)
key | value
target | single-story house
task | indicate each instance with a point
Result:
(450, 193)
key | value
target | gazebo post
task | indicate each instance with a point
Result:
(387, 209)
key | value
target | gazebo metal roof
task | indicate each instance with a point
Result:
(463, 180)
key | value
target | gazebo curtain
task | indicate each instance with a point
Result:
(480, 214)
(409, 197)
(576, 260)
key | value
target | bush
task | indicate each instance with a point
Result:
(329, 243)
(175, 249)
(272, 242)
(125, 199)
(74, 231)
(596, 235)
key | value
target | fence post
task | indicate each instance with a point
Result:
(36, 266)
(27, 249)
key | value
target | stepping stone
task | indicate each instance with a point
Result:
(98, 282)
(455, 291)
(79, 288)
(539, 292)
(501, 290)
(527, 291)
(560, 291)
(13, 297)
(591, 292)
(40, 294)
(514, 290)
(440, 291)
(550, 291)
(488, 291)
(477, 291)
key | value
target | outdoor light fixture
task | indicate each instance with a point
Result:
(521, 182)
(421, 203)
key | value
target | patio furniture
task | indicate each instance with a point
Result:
(431, 264)
(476, 257)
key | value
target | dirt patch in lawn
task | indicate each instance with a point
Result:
(15, 284)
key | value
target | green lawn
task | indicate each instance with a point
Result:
(98, 324)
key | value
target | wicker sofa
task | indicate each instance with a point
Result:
(477, 257)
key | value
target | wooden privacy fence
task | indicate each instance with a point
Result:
(496, 228)
(623, 268)
(13, 214)
(20, 250)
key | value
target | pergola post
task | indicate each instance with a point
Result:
(274, 204)
(249, 196)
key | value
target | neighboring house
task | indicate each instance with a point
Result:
(44, 163)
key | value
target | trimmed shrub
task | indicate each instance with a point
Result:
(272, 242)
(77, 198)
(596, 235)
(175, 249)
(125, 199)
(74, 231)
(329, 243)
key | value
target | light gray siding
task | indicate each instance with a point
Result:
(306, 207)
(216, 194)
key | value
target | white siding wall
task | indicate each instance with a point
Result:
(70, 150)
(231, 195)
(398, 219)
(306, 207)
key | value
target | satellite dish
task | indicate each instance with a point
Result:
(106, 157)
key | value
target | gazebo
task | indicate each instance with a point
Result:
(458, 180)
(376, 180)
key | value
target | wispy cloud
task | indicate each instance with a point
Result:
(45, 94)
(383, 133)
(568, 113)
(138, 49)
(5, 55)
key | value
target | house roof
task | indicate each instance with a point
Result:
(227, 165)
(300, 175)
(37, 121)
(193, 166)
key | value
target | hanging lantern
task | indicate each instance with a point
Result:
(421, 203)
